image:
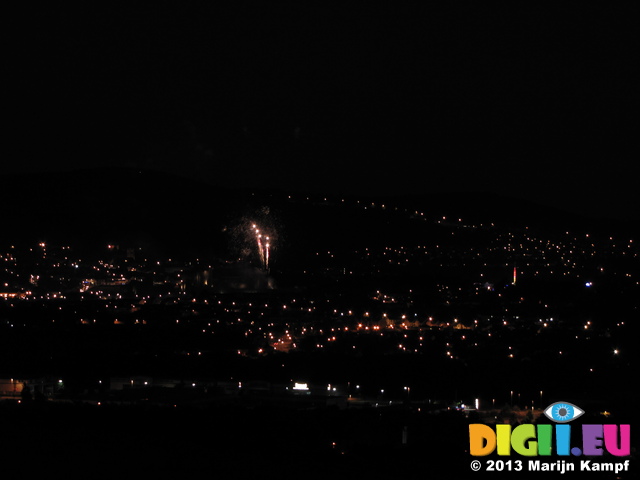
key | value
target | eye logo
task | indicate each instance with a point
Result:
(563, 412)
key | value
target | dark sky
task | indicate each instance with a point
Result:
(536, 101)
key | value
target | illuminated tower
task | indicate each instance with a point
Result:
(514, 275)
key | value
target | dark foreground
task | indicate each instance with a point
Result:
(47, 439)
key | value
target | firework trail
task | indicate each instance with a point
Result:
(263, 248)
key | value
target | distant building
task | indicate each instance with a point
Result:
(46, 386)
(20, 295)
(11, 387)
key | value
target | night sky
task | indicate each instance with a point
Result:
(534, 101)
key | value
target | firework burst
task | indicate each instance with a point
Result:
(254, 237)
